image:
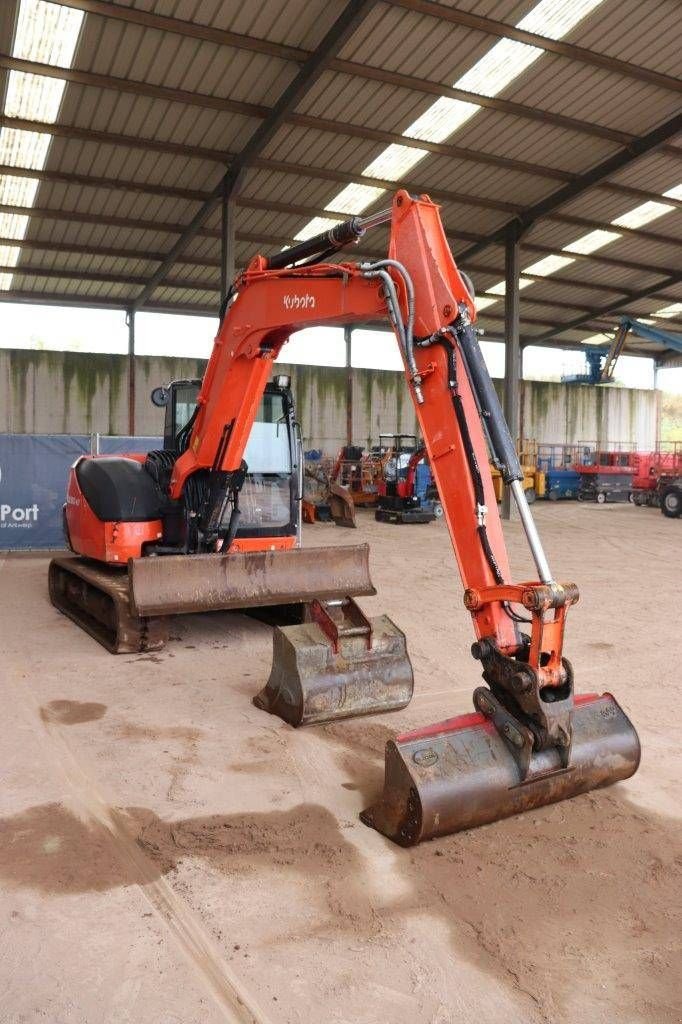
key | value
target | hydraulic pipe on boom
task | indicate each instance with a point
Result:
(531, 742)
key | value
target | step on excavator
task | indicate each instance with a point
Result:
(530, 740)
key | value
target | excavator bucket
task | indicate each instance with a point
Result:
(337, 665)
(341, 505)
(461, 773)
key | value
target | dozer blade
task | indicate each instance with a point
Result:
(96, 598)
(341, 505)
(176, 584)
(338, 665)
(460, 773)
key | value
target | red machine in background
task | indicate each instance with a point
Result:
(530, 742)
(606, 475)
(650, 467)
(361, 472)
(398, 500)
(656, 473)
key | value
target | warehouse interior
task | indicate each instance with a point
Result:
(178, 171)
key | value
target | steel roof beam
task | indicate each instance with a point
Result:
(213, 285)
(264, 239)
(210, 199)
(222, 37)
(336, 128)
(341, 31)
(549, 206)
(290, 209)
(614, 307)
(189, 285)
(252, 110)
(57, 299)
(501, 29)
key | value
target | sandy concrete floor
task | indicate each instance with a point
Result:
(166, 849)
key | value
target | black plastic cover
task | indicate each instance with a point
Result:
(119, 490)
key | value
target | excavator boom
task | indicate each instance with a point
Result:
(528, 716)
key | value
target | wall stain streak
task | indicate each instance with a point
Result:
(68, 392)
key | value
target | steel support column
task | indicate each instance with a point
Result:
(227, 240)
(348, 338)
(130, 321)
(512, 345)
(657, 404)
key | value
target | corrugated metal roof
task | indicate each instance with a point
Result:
(152, 141)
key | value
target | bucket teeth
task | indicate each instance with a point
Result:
(313, 682)
(462, 774)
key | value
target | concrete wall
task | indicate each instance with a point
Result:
(66, 392)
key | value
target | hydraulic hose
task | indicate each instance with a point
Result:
(474, 468)
(503, 447)
(406, 330)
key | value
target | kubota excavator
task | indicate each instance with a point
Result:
(530, 741)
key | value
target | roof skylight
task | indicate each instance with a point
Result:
(500, 288)
(23, 149)
(46, 32)
(17, 191)
(642, 214)
(592, 241)
(315, 227)
(441, 119)
(492, 73)
(354, 198)
(498, 67)
(673, 193)
(669, 312)
(594, 339)
(483, 301)
(548, 265)
(554, 18)
(34, 97)
(394, 162)
(13, 225)
(9, 254)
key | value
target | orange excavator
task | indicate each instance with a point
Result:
(530, 741)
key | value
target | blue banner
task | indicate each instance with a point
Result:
(33, 474)
(121, 445)
(34, 470)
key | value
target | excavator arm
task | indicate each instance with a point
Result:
(420, 291)
(529, 735)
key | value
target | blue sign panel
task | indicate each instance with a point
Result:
(33, 472)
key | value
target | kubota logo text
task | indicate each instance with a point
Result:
(299, 302)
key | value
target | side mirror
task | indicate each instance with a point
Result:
(160, 397)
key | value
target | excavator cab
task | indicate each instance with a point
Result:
(271, 492)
